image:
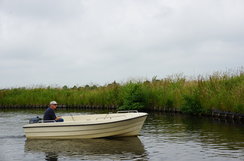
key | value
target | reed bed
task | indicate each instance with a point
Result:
(219, 91)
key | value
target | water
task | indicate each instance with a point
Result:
(164, 137)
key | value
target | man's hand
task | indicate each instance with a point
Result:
(58, 118)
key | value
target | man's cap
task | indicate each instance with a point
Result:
(53, 103)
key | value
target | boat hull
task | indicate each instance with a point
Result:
(118, 128)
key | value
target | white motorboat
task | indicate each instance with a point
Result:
(88, 126)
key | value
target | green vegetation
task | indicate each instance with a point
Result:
(132, 97)
(220, 91)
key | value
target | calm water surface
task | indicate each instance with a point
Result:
(164, 137)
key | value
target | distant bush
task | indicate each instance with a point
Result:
(132, 96)
(192, 104)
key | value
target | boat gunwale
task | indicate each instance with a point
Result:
(101, 123)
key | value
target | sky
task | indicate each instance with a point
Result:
(79, 42)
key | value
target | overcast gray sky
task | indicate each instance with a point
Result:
(76, 42)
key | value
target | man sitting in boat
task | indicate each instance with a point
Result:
(49, 115)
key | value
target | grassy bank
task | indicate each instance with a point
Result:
(222, 91)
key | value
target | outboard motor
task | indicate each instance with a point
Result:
(35, 120)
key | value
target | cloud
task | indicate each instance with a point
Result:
(78, 42)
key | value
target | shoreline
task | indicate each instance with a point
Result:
(239, 117)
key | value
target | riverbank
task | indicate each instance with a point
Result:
(215, 114)
(218, 92)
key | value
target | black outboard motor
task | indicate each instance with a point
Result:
(35, 120)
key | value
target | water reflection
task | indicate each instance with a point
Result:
(218, 137)
(91, 149)
(50, 156)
